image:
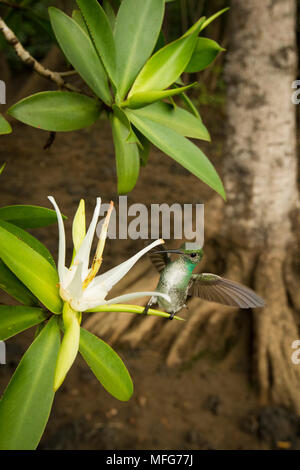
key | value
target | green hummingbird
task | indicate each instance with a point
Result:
(178, 281)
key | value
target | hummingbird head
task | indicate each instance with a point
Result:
(191, 255)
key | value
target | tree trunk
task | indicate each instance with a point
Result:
(261, 176)
(257, 228)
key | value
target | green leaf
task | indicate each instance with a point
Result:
(76, 111)
(136, 31)
(2, 168)
(27, 216)
(27, 400)
(77, 16)
(180, 149)
(80, 52)
(14, 319)
(140, 99)
(101, 34)
(176, 118)
(5, 127)
(32, 269)
(31, 241)
(213, 17)
(127, 154)
(166, 65)
(107, 366)
(205, 52)
(15, 288)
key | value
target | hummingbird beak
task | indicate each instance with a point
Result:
(179, 252)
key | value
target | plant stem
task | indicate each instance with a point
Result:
(30, 61)
(130, 309)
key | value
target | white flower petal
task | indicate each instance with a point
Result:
(107, 280)
(87, 302)
(61, 265)
(74, 288)
(83, 254)
(135, 295)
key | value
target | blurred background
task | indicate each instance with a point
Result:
(224, 379)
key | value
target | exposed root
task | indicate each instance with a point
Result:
(292, 276)
(275, 329)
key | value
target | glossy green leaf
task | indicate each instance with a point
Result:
(32, 269)
(14, 319)
(5, 127)
(10, 284)
(166, 65)
(101, 33)
(127, 155)
(180, 149)
(77, 16)
(27, 400)
(27, 238)
(80, 52)
(176, 118)
(27, 216)
(136, 31)
(213, 17)
(107, 366)
(205, 52)
(76, 111)
(2, 168)
(140, 99)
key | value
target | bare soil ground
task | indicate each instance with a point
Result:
(210, 402)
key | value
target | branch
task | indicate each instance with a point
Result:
(30, 61)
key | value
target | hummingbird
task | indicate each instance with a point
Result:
(178, 281)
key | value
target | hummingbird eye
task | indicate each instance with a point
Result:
(193, 255)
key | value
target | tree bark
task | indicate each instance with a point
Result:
(261, 176)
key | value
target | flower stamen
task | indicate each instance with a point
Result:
(97, 261)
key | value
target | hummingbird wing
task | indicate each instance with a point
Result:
(217, 289)
(159, 260)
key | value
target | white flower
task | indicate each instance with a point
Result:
(79, 285)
